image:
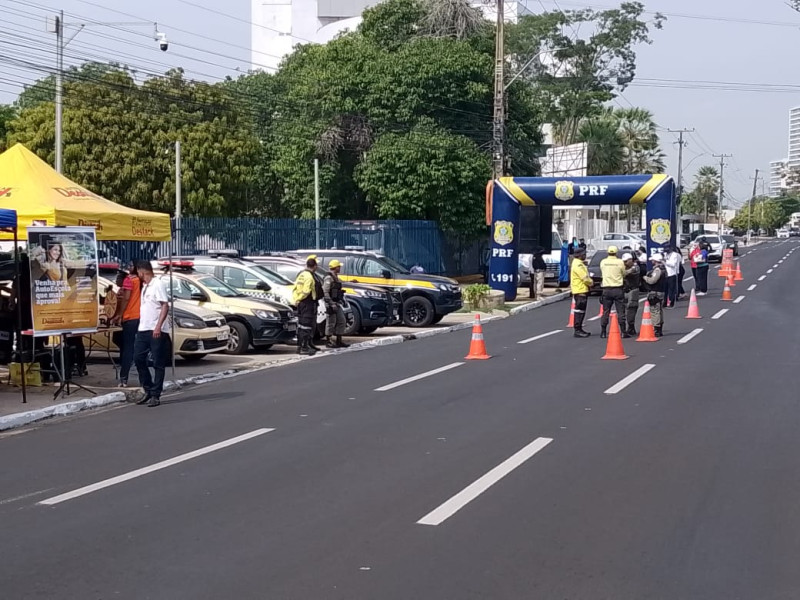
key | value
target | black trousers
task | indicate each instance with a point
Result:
(612, 297)
(701, 278)
(581, 301)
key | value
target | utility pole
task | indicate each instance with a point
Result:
(681, 144)
(59, 85)
(721, 158)
(750, 207)
(499, 114)
(316, 198)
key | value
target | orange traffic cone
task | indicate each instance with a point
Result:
(726, 291)
(725, 268)
(647, 332)
(694, 309)
(729, 281)
(614, 349)
(571, 323)
(738, 275)
(477, 348)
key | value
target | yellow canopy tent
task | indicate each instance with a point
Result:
(42, 197)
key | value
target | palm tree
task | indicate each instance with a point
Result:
(706, 189)
(605, 144)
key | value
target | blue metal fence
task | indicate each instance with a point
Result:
(409, 242)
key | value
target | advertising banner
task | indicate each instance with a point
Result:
(63, 263)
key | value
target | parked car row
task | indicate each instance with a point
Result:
(224, 303)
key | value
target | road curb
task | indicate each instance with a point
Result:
(21, 419)
(539, 303)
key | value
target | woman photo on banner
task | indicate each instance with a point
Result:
(49, 260)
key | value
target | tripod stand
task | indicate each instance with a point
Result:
(65, 375)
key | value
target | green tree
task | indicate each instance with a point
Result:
(703, 199)
(622, 142)
(589, 59)
(7, 115)
(426, 173)
(119, 138)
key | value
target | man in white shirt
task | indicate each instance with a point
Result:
(153, 337)
(673, 265)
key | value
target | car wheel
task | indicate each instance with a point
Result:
(352, 321)
(368, 330)
(193, 357)
(239, 340)
(437, 319)
(418, 312)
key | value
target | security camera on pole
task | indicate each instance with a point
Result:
(58, 25)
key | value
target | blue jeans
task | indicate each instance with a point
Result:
(129, 330)
(145, 346)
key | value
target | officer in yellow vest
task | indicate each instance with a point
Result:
(613, 270)
(580, 283)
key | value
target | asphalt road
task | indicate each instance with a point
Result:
(519, 477)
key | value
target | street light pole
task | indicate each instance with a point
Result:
(750, 208)
(178, 199)
(62, 43)
(316, 197)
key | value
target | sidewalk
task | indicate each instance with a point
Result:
(101, 373)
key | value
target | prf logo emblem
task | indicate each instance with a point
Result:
(503, 232)
(565, 190)
(660, 231)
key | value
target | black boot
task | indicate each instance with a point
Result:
(311, 343)
(632, 331)
(658, 331)
(340, 343)
(579, 332)
(330, 343)
(603, 333)
(624, 333)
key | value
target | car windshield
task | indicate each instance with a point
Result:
(272, 275)
(728, 238)
(712, 239)
(595, 262)
(555, 241)
(220, 288)
(393, 265)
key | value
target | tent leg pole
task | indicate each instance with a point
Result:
(18, 332)
(172, 314)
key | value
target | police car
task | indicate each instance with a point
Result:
(426, 298)
(371, 307)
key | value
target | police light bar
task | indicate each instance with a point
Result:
(177, 264)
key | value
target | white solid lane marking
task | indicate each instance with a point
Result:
(475, 489)
(539, 337)
(690, 336)
(150, 469)
(623, 383)
(739, 299)
(762, 278)
(720, 314)
(396, 384)
(752, 287)
(769, 271)
(689, 278)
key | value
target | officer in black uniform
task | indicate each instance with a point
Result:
(334, 299)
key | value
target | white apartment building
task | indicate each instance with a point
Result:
(777, 177)
(279, 25)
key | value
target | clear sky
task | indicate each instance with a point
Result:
(733, 42)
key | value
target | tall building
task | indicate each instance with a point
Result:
(793, 159)
(279, 25)
(777, 177)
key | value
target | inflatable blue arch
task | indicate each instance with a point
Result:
(509, 193)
